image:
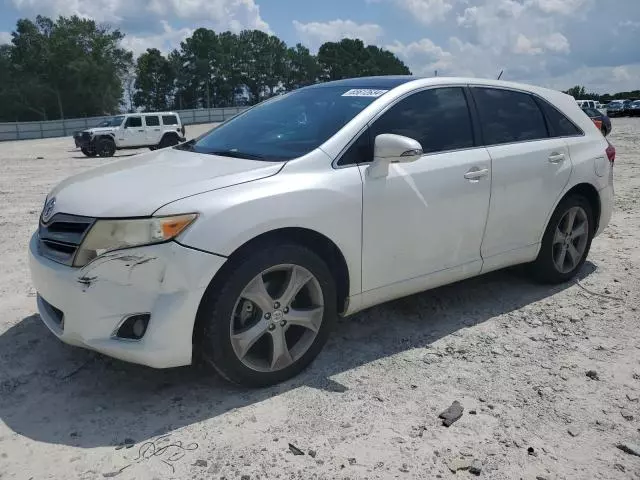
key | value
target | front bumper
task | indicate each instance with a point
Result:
(85, 306)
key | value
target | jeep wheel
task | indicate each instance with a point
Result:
(106, 147)
(169, 141)
(89, 152)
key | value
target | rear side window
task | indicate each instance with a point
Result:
(507, 116)
(559, 124)
(152, 121)
(169, 120)
(438, 118)
(133, 122)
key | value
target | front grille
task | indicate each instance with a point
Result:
(60, 238)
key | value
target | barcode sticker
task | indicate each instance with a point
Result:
(364, 92)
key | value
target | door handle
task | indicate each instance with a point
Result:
(476, 173)
(556, 158)
(156, 129)
(141, 130)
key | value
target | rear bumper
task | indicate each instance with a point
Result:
(607, 201)
(85, 307)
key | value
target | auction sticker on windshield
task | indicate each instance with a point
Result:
(364, 92)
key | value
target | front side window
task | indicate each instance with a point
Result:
(438, 118)
(134, 122)
(152, 121)
(287, 126)
(507, 116)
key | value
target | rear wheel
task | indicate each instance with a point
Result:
(168, 141)
(604, 131)
(566, 241)
(270, 318)
(106, 147)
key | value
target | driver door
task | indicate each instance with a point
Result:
(427, 216)
(133, 133)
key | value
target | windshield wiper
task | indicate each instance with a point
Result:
(237, 154)
(188, 146)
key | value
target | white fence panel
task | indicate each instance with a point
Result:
(62, 128)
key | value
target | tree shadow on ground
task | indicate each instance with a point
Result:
(58, 394)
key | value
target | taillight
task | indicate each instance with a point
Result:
(611, 153)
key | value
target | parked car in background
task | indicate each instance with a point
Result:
(587, 103)
(600, 119)
(615, 109)
(634, 109)
(133, 130)
(243, 246)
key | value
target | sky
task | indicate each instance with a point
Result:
(554, 43)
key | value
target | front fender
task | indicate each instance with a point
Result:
(321, 199)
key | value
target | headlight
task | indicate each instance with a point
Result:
(108, 235)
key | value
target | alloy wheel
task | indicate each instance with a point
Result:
(570, 239)
(276, 318)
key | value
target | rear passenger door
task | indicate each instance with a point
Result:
(530, 168)
(153, 129)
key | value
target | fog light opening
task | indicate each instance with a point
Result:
(134, 326)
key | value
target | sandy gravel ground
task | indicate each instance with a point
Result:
(513, 353)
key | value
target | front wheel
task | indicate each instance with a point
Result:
(566, 241)
(89, 152)
(271, 316)
(106, 147)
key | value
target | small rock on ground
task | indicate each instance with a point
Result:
(451, 414)
(630, 448)
(459, 463)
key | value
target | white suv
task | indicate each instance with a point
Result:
(245, 244)
(135, 130)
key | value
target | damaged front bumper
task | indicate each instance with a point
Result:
(85, 306)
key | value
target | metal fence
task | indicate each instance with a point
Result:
(63, 128)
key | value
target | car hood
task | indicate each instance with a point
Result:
(100, 130)
(140, 185)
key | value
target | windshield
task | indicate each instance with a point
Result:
(287, 126)
(111, 122)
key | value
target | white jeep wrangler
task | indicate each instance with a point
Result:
(133, 130)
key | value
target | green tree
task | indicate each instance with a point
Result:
(350, 58)
(65, 68)
(301, 68)
(578, 92)
(155, 78)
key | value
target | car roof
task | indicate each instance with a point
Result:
(393, 81)
(387, 81)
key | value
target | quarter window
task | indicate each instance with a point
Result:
(438, 118)
(152, 121)
(169, 120)
(133, 122)
(559, 124)
(507, 116)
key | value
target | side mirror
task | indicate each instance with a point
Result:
(390, 148)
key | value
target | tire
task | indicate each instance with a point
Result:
(546, 267)
(604, 132)
(88, 152)
(168, 141)
(221, 312)
(106, 147)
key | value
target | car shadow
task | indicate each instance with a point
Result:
(84, 157)
(58, 394)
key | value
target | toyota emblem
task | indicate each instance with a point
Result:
(49, 207)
